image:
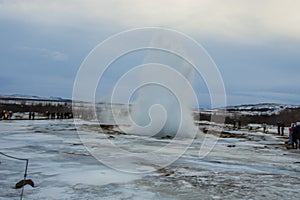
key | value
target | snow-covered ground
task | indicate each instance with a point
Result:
(252, 167)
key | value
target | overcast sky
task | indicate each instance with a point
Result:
(254, 43)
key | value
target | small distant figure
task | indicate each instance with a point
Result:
(278, 127)
(68, 115)
(29, 116)
(5, 115)
(33, 115)
(47, 114)
(264, 125)
(282, 129)
(296, 136)
(291, 133)
(10, 114)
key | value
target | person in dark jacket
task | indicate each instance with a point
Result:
(296, 136)
(278, 127)
(282, 129)
(291, 134)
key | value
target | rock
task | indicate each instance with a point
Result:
(231, 145)
(167, 137)
(169, 173)
(22, 183)
(286, 142)
(107, 127)
(204, 130)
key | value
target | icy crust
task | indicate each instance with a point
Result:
(252, 167)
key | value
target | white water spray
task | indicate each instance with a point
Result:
(165, 98)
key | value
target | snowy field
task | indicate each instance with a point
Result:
(255, 166)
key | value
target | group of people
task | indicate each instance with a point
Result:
(294, 135)
(280, 128)
(237, 124)
(31, 115)
(5, 115)
(59, 115)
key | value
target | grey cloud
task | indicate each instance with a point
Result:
(256, 50)
(243, 21)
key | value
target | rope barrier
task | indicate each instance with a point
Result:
(25, 173)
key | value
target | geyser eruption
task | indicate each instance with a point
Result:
(159, 102)
(165, 96)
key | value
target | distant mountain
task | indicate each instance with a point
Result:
(34, 97)
(269, 113)
(260, 109)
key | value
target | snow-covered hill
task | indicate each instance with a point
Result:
(260, 109)
(33, 97)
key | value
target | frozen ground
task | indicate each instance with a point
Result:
(255, 166)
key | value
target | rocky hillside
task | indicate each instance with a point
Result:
(257, 113)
